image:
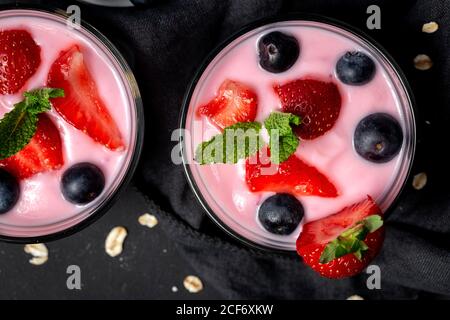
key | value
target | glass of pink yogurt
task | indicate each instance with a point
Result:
(333, 78)
(99, 122)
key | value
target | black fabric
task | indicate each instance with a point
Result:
(166, 44)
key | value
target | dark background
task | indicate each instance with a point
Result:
(165, 44)
(148, 267)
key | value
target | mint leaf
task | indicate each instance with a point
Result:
(18, 126)
(282, 147)
(283, 141)
(282, 122)
(242, 140)
(16, 129)
(237, 141)
(37, 100)
(351, 240)
(211, 151)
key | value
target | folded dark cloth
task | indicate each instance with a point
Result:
(167, 42)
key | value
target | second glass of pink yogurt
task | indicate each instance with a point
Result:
(347, 93)
(86, 145)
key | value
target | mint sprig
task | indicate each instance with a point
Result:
(242, 140)
(352, 240)
(283, 141)
(237, 141)
(18, 126)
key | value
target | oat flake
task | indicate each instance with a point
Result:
(39, 252)
(430, 27)
(37, 261)
(193, 284)
(422, 62)
(420, 180)
(355, 297)
(148, 220)
(114, 241)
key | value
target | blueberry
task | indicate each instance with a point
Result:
(355, 68)
(281, 213)
(82, 183)
(277, 51)
(9, 191)
(378, 137)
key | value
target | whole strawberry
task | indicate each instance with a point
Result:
(20, 57)
(343, 244)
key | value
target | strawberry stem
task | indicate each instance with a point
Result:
(351, 240)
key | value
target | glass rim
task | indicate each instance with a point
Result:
(130, 164)
(247, 29)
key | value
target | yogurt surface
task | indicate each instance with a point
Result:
(223, 186)
(41, 202)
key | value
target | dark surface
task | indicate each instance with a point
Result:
(415, 258)
(165, 45)
(148, 267)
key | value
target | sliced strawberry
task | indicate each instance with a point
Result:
(291, 176)
(235, 102)
(341, 229)
(20, 57)
(82, 106)
(42, 153)
(318, 103)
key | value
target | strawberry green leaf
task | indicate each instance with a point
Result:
(358, 254)
(329, 253)
(351, 240)
(373, 223)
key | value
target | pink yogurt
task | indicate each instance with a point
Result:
(41, 203)
(223, 186)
